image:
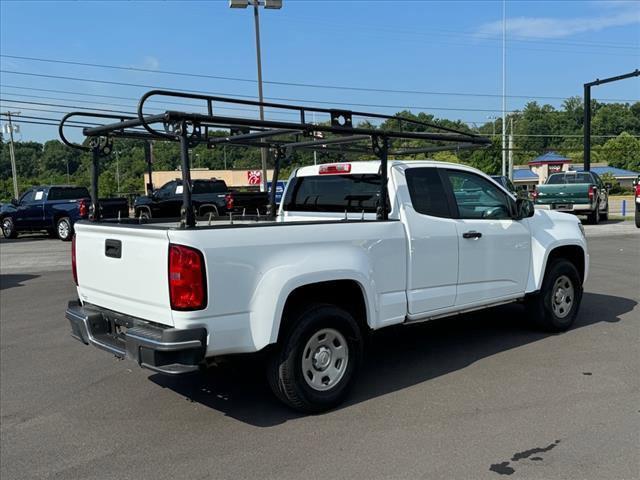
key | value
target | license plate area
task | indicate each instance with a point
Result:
(563, 206)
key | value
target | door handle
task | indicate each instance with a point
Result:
(471, 234)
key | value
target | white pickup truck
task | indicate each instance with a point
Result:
(309, 286)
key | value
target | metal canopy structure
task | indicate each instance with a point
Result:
(338, 131)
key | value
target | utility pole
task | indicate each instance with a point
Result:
(587, 112)
(504, 87)
(511, 149)
(12, 153)
(118, 171)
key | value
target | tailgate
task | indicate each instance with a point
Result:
(132, 280)
(576, 193)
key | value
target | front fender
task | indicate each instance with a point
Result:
(550, 230)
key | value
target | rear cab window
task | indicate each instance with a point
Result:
(67, 193)
(209, 186)
(333, 193)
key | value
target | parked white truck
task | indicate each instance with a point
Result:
(309, 285)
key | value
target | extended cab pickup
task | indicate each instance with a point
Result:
(55, 209)
(308, 287)
(581, 193)
(208, 196)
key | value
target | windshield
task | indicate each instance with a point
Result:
(333, 193)
(565, 178)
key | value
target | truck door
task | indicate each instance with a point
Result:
(494, 248)
(29, 212)
(432, 270)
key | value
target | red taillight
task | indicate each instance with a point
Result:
(83, 208)
(228, 201)
(592, 193)
(187, 284)
(74, 269)
(638, 190)
(334, 168)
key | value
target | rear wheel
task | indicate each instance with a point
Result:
(555, 307)
(605, 215)
(594, 217)
(64, 230)
(8, 228)
(317, 360)
(637, 215)
(144, 214)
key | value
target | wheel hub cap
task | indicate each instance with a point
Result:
(562, 297)
(324, 359)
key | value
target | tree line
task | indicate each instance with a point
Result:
(615, 130)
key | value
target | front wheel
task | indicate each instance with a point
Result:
(64, 230)
(605, 215)
(316, 362)
(556, 306)
(8, 228)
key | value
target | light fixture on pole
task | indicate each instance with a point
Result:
(270, 4)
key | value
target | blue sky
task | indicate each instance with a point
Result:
(440, 47)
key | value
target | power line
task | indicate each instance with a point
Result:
(288, 84)
(410, 107)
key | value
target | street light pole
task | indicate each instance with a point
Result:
(12, 153)
(587, 112)
(263, 150)
(271, 4)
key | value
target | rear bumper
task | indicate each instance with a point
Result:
(164, 350)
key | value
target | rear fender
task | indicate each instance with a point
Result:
(276, 285)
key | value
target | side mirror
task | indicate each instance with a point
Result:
(14, 202)
(524, 208)
(607, 186)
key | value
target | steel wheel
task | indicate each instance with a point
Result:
(324, 359)
(562, 296)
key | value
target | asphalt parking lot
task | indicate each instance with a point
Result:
(470, 397)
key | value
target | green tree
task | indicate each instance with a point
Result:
(622, 152)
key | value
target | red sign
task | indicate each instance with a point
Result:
(555, 167)
(254, 177)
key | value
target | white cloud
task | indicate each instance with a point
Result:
(623, 14)
(151, 63)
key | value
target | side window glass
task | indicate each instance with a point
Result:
(427, 193)
(27, 197)
(478, 198)
(166, 190)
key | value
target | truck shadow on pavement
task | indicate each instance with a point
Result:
(14, 280)
(397, 358)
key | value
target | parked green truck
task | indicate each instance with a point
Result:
(580, 193)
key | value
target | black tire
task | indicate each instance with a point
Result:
(286, 372)
(143, 214)
(594, 217)
(637, 216)
(545, 308)
(64, 231)
(8, 228)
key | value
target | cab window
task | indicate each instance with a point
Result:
(477, 197)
